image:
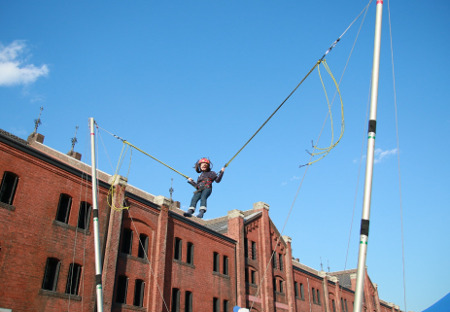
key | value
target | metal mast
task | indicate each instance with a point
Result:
(98, 258)
(360, 275)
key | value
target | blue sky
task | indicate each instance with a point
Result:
(187, 79)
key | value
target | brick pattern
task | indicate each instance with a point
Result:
(29, 235)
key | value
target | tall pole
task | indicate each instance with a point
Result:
(360, 274)
(98, 258)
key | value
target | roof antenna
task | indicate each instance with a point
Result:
(321, 264)
(171, 189)
(74, 139)
(37, 122)
(328, 261)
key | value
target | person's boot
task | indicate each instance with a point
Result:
(201, 213)
(189, 213)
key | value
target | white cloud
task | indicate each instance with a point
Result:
(380, 154)
(14, 70)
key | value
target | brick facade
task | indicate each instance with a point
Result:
(153, 259)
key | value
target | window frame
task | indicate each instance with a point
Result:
(143, 246)
(178, 249)
(8, 187)
(84, 215)
(51, 274)
(139, 287)
(73, 279)
(64, 207)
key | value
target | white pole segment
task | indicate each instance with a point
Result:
(98, 257)
(364, 235)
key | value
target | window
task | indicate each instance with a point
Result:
(84, 215)
(8, 187)
(281, 262)
(216, 262)
(178, 246)
(225, 265)
(281, 286)
(246, 248)
(333, 304)
(51, 274)
(253, 250)
(139, 293)
(188, 302)
(345, 304)
(127, 241)
(216, 307)
(190, 253)
(318, 296)
(274, 260)
(143, 246)
(246, 276)
(314, 295)
(175, 300)
(253, 276)
(296, 289)
(122, 288)
(73, 279)
(225, 306)
(302, 292)
(65, 202)
(274, 282)
(342, 305)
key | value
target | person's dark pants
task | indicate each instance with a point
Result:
(202, 197)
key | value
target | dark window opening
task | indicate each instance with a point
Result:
(73, 279)
(216, 262)
(253, 250)
(143, 246)
(65, 202)
(178, 246)
(138, 300)
(281, 262)
(190, 253)
(188, 302)
(216, 307)
(302, 292)
(122, 287)
(225, 265)
(127, 241)
(84, 215)
(175, 300)
(274, 260)
(246, 248)
(51, 274)
(8, 187)
(225, 306)
(253, 277)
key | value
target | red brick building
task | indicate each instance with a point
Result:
(153, 259)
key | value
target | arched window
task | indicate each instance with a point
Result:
(51, 274)
(84, 215)
(8, 187)
(143, 246)
(64, 204)
(73, 279)
(127, 241)
(139, 293)
(122, 288)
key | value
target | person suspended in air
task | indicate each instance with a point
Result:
(203, 186)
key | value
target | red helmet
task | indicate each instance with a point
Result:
(204, 160)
